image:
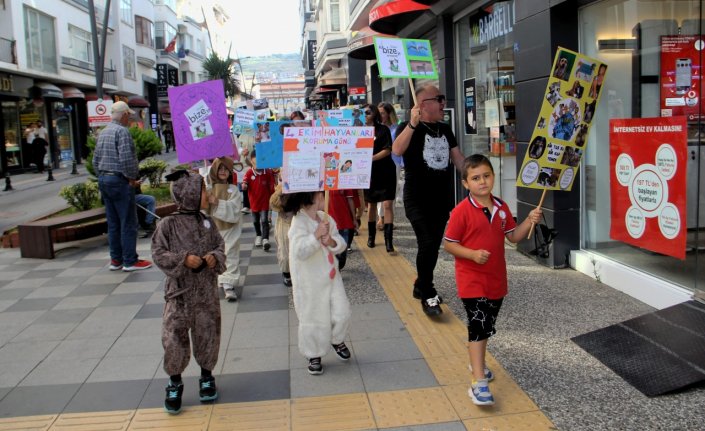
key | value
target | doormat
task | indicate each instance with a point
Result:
(657, 353)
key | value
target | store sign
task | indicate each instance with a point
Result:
(648, 158)
(162, 84)
(311, 53)
(496, 21)
(356, 90)
(173, 77)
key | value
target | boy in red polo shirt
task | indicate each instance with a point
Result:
(475, 236)
(259, 184)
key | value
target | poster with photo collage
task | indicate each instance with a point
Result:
(567, 112)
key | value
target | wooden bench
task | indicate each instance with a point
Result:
(36, 236)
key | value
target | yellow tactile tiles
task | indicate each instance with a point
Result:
(441, 341)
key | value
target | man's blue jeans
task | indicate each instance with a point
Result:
(119, 199)
(150, 204)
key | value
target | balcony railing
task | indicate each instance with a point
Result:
(8, 54)
(110, 77)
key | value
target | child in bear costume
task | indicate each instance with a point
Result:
(320, 301)
(188, 248)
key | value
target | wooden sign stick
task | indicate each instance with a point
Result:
(413, 91)
(531, 231)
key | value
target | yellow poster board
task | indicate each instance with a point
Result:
(567, 112)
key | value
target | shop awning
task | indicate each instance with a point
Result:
(334, 77)
(92, 96)
(137, 102)
(390, 16)
(72, 92)
(362, 44)
(427, 2)
(165, 111)
(325, 89)
(47, 90)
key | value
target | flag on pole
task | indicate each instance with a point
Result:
(172, 45)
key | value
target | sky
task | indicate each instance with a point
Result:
(263, 27)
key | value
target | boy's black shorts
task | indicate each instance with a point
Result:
(482, 315)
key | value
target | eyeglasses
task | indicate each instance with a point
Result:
(440, 99)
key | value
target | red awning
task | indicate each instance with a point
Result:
(325, 89)
(137, 102)
(390, 16)
(72, 92)
(92, 96)
(427, 2)
(362, 44)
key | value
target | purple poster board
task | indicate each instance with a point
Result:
(200, 121)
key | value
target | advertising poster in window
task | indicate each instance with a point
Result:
(470, 121)
(405, 58)
(680, 76)
(567, 111)
(648, 183)
(200, 121)
(327, 158)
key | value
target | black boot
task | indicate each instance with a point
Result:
(371, 231)
(388, 227)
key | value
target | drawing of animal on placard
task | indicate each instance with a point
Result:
(311, 173)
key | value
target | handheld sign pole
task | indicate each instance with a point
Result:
(413, 91)
(531, 231)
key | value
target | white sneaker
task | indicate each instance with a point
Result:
(258, 241)
(229, 290)
(245, 210)
(265, 244)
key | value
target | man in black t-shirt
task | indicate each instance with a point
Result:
(430, 150)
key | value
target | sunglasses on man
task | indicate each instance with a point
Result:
(441, 98)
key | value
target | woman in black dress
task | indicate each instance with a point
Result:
(383, 182)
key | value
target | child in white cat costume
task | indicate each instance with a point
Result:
(320, 301)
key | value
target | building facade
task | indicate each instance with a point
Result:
(504, 50)
(47, 69)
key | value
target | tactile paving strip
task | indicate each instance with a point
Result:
(118, 420)
(402, 408)
(191, 418)
(531, 421)
(42, 422)
(338, 412)
(263, 415)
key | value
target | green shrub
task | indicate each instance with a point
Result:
(82, 196)
(153, 169)
(147, 144)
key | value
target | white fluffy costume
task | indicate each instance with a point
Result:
(320, 301)
(228, 218)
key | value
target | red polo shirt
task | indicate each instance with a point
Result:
(339, 209)
(479, 228)
(260, 186)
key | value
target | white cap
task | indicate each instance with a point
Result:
(121, 107)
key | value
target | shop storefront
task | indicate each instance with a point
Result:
(655, 55)
(15, 154)
(485, 42)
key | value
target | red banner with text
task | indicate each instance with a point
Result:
(648, 183)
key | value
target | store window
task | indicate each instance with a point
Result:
(81, 44)
(485, 90)
(13, 134)
(144, 31)
(40, 41)
(61, 116)
(654, 52)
